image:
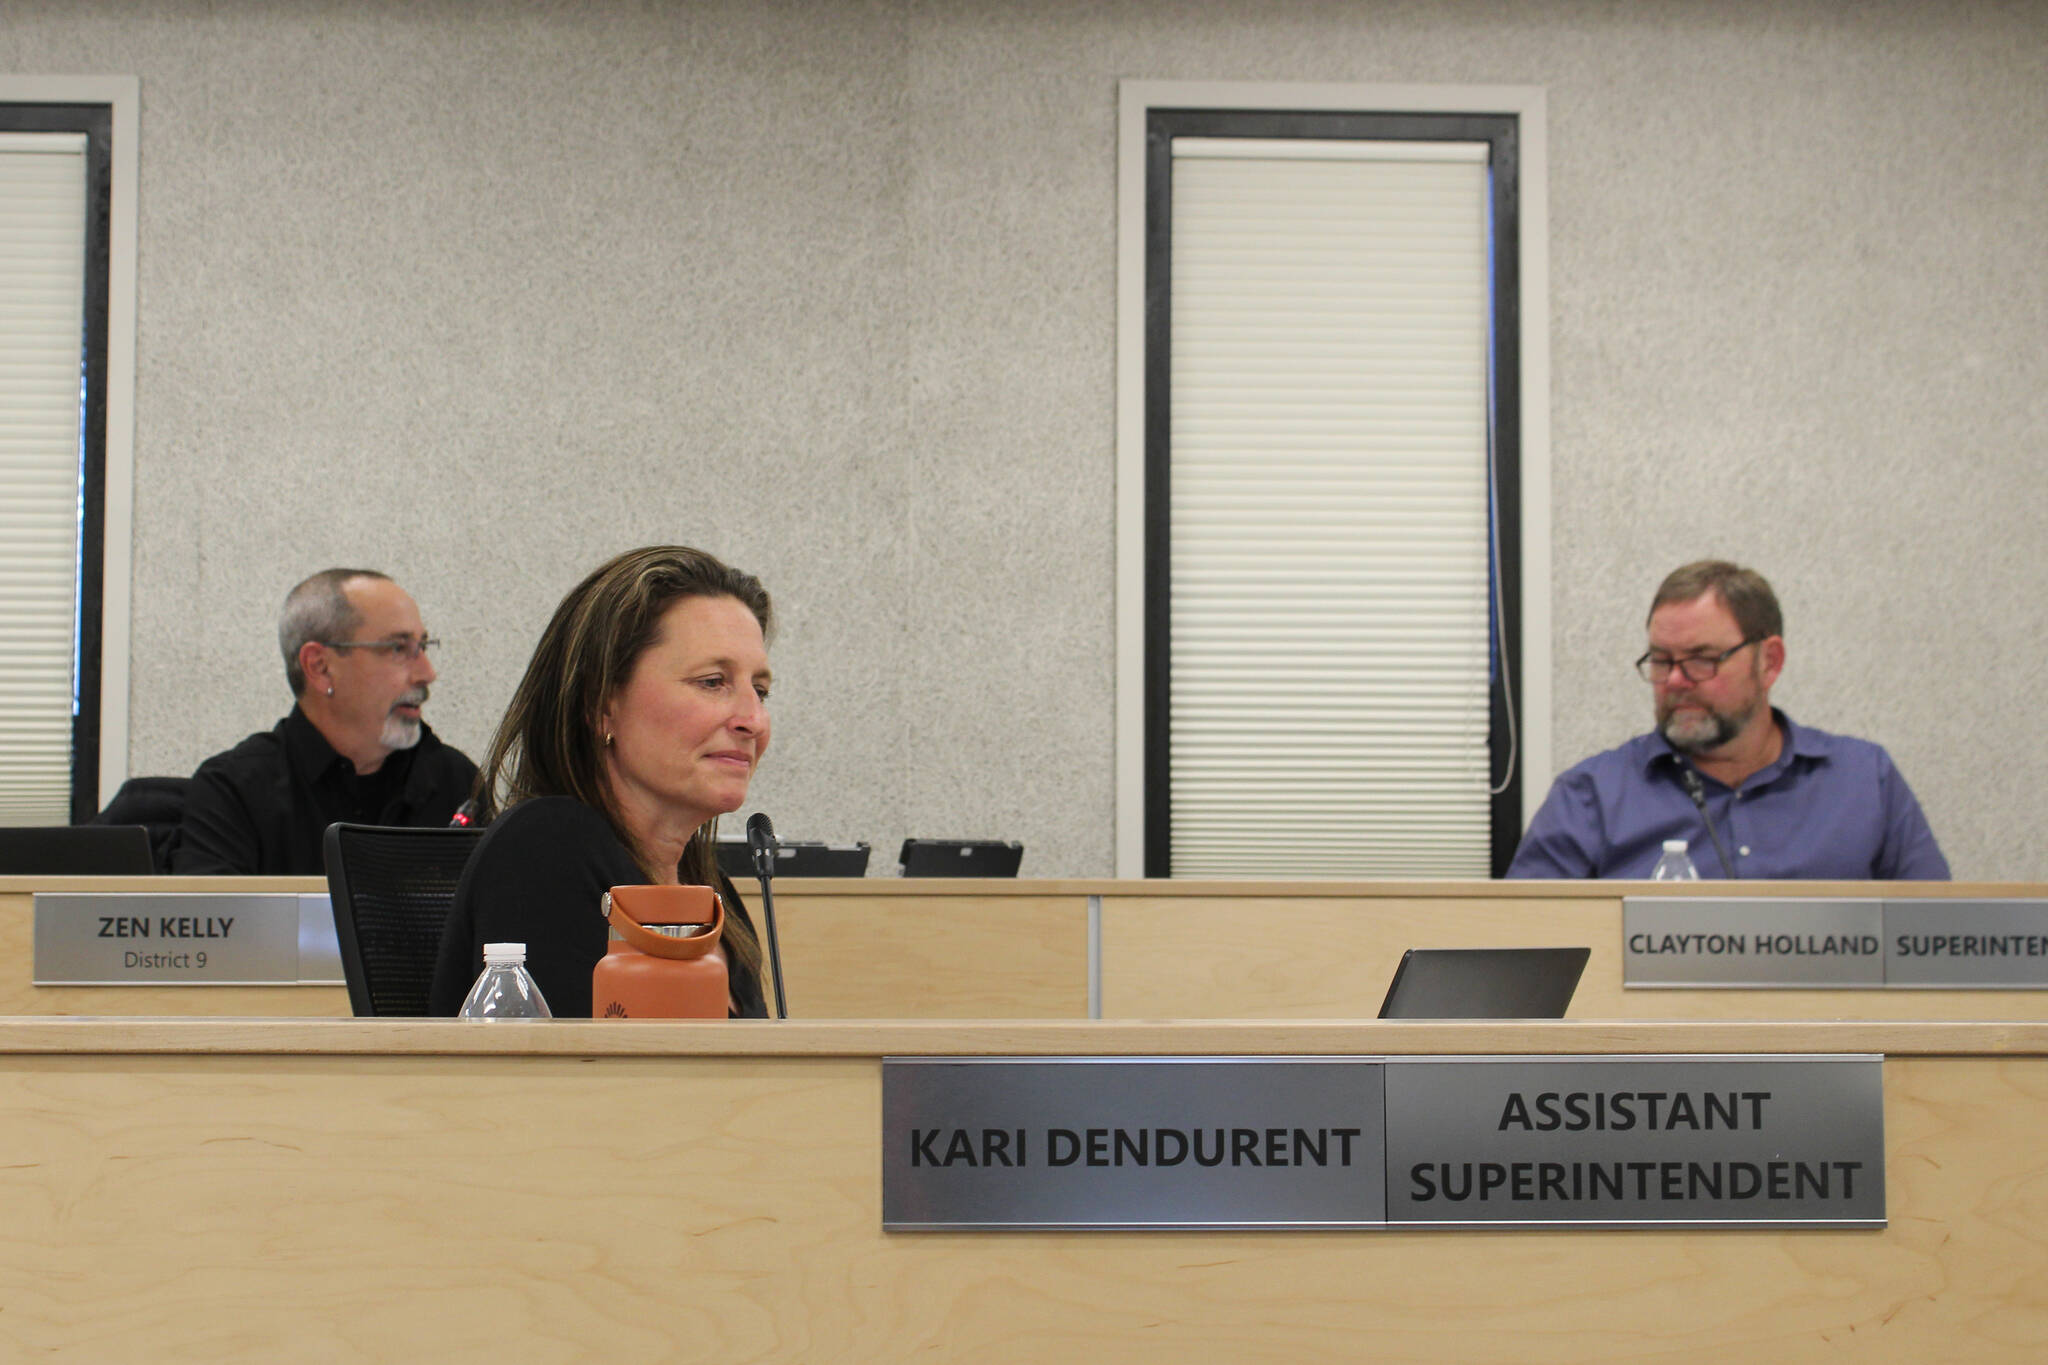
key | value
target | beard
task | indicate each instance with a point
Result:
(1699, 729)
(1696, 731)
(403, 732)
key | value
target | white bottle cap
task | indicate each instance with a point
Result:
(1670, 846)
(506, 954)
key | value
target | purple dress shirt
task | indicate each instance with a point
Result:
(1830, 808)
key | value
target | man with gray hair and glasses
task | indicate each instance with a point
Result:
(353, 748)
(1752, 794)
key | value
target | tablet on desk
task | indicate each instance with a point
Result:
(75, 851)
(960, 858)
(798, 858)
(1484, 983)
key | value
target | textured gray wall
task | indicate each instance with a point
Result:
(483, 292)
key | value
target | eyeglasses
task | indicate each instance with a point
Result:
(407, 649)
(1697, 668)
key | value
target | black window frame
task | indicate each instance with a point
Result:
(1501, 133)
(96, 122)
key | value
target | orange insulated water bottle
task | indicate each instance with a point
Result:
(664, 960)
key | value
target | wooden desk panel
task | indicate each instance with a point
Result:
(852, 949)
(414, 1204)
(870, 954)
(20, 995)
(1328, 951)
(887, 948)
(1310, 957)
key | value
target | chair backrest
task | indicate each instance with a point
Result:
(75, 851)
(392, 889)
(155, 803)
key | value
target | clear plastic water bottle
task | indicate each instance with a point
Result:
(504, 990)
(1674, 865)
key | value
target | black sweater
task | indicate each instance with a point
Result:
(539, 878)
(262, 808)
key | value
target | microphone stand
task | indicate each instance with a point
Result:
(761, 842)
(1698, 792)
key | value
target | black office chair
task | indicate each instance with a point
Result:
(155, 803)
(392, 889)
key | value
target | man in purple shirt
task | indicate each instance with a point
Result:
(1753, 795)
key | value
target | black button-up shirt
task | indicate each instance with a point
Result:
(262, 808)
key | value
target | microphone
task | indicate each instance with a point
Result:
(465, 814)
(761, 843)
(1697, 790)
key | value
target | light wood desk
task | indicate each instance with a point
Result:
(852, 949)
(881, 947)
(890, 948)
(939, 948)
(1318, 950)
(193, 1190)
(20, 995)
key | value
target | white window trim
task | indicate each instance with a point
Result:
(1136, 99)
(123, 95)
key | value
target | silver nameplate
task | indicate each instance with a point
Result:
(319, 945)
(1748, 941)
(1825, 943)
(1160, 1142)
(1635, 1142)
(183, 939)
(1980, 943)
(1252, 1143)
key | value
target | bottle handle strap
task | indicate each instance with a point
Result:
(645, 940)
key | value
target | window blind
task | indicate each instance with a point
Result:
(42, 292)
(1328, 503)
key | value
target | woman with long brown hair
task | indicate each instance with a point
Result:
(640, 720)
